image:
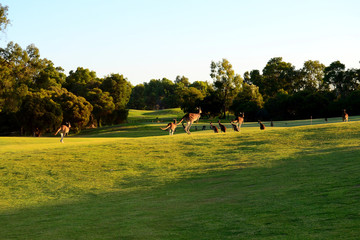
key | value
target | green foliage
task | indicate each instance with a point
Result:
(49, 76)
(40, 111)
(119, 89)
(191, 99)
(76, 110)
(212, 104)
(226, 82)
(313, 76)
(248, 100)
(279, 75)
(102, 103)
(4, 21)
(137, 97)
(81, 81)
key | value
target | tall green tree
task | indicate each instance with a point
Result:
(102, 103)
(342, 81)
(203, 86)
(4, 21)
(137, 98)
(249, 100)
(49, 76)
(17, 71)
(192, 98)
(226, 82)
(182, 80)
(40, 111)
(76, 109)
(119, 89)
(279, 75)
(81, 81)
(313, 76)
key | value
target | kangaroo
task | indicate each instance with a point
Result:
(239, 120)
(262, 126)
(190, 118)
(222, 127)
(235, 127)
(64, 130)
(171, 126)
(216, 130)
(345, 116)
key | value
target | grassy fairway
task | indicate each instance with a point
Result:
(282, 183)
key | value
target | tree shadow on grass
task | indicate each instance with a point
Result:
(315, 196)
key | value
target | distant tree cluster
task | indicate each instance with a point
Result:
(279, 92)
(37, 96)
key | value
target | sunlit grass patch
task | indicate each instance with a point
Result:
(298, 182)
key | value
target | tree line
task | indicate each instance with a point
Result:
(278, 92)
(36, 95)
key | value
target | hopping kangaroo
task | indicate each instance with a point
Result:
(238, 121)
(64, 130)
(171, 126)
(216, 130)
(345, 116)
(190, 118)
(222, 127)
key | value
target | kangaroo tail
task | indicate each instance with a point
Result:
(57, 131)
(165, 127)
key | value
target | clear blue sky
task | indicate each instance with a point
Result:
(153, 39)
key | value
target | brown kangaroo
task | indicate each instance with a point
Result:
(222, 127)
(235, 127)
(262, 126)
(190, 118)
(345, 116)
(64, 130)
(239, 120)
(171, 126)
(216, 130)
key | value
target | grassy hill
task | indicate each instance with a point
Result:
(136, 182)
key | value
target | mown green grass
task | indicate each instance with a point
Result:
(153, 115)
(282, 183)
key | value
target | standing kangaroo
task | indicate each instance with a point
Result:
(235, 127)
(216, 130)
(171, 126)
(345, 116)
(190, 118)
(262, 126)
(64, 130)
(238, 120)
(222, 127)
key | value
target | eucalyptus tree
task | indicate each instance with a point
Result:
(4, 21)
(81, 81)
(279, 75)
(313, 76)
(248, 100)
(40, 112)
(342, 81)
(102, 103)
(119, 88)
(226, 83)
(137, 97)
(76, 109)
